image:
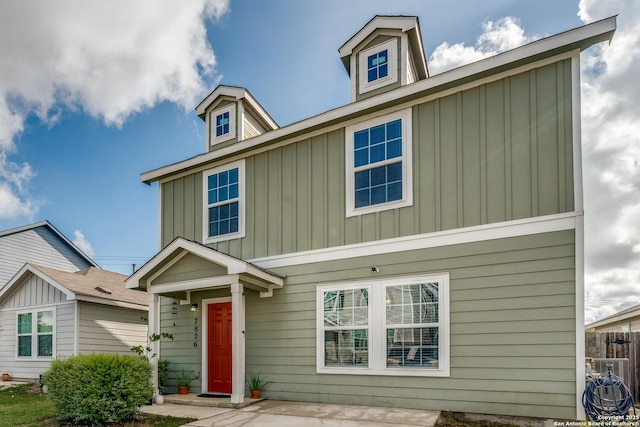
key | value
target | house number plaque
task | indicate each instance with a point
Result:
(195, 332)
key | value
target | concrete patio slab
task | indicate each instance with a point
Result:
(294, 414)
(184, 411)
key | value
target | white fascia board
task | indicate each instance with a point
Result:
(596, 30)
(232, 91)
(179, 248)
(194, 285)
(614, 319)
(114, 303)
(478, 233)
(260, 111)
(402, 23)
(29, 269)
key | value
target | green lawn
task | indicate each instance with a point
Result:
(19, 406)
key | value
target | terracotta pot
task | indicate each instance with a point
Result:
(183, 389)
(6, 377)
(255, 394)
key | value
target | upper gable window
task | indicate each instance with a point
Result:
(223, 124)
(224, 202)
(378, 164)
(378, 66)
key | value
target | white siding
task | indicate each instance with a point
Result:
(31, 369)
(39, 245)
(108, 329)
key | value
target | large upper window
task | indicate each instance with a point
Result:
(223, 126)
(378, 164)
(378, 66)
(385, 327)
(35, 334)
(224, 202)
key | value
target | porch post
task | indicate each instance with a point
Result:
(237, 351)
(154, 328)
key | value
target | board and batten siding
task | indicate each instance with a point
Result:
(34, 293)
(496, 152)
(512, 330)
(110, 329)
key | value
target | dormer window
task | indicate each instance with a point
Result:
(378, 65)
(223, 124)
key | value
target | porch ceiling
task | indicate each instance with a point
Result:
(185, 265)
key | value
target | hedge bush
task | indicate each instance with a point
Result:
(99, 388)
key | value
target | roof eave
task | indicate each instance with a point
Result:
(579, 38)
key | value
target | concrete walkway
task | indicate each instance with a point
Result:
(295, 414)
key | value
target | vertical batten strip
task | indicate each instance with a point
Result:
(533, 97)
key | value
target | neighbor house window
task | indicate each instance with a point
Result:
(35, 334)
(378, 164)
(222, 122)
(378, 66)
(385, 327)
(224, 203)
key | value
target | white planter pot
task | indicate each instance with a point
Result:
(159, 399)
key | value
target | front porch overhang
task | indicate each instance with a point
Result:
(184, 267)
(161, 275)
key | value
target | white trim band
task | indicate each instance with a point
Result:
(478, 233)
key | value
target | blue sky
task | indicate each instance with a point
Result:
(95, 94)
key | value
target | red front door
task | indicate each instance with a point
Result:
(219, 342)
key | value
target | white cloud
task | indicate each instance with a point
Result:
(82, 243)
(611, 145)
(496, 37)
(611, 153)
(106, 59)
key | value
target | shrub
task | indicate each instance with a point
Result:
(99, 388)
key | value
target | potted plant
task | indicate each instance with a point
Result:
(255, 383)
(184, 379)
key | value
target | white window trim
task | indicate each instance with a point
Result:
(391, 46)
(34, 333)
(377, 328)
(240, 164)
(406, 158)
(231, 109)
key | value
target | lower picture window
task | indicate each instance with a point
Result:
(35, 334)
(387, 327)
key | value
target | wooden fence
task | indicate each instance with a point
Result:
(617, 345)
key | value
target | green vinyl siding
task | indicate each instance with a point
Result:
(512, 306)
(496, 152)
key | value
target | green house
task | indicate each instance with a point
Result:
(419, 247)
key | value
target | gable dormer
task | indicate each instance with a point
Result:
(231, 115)
(385, 54)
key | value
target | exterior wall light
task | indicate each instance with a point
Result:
(194, 307)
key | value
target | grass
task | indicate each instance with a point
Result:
(22, 406)
(452, 419)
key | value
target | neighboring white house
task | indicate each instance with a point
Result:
(47, 313)
(55, 301)
(627, 320)
(40, 243)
